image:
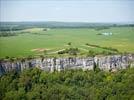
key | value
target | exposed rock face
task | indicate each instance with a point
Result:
(51, 64)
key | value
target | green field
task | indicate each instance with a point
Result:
(57, 39)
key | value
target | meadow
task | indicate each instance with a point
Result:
(35, 40)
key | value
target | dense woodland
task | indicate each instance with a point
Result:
(34, 84)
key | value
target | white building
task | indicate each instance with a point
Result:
(107, 33)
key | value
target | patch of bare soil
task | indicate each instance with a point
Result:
(39, 49)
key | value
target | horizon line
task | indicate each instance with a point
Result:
(71, 21)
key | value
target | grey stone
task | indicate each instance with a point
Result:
(113, 62)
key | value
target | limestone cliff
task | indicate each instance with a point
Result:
(107, 63)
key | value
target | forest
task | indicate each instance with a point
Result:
(35, 84)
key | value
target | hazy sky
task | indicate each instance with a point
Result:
(67, 10)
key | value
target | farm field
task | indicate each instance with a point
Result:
(34, 41)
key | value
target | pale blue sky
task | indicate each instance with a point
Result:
(67, 10)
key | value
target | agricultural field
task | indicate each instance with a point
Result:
(37, 41)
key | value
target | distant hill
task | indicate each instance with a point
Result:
(5, 26)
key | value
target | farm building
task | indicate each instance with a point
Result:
(107, 33)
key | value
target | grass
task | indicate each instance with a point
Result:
(56, 39)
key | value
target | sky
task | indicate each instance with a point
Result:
(67, 10)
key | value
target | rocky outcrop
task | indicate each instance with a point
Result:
(107, 63)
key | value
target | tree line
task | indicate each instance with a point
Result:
(106, 48)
